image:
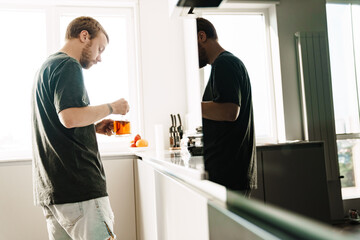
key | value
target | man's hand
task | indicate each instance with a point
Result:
(105, 127)
(120, 106)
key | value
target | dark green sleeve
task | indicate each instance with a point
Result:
(69, 89)
(226, 87)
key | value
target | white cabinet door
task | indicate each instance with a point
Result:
(120, 186)
(167, 208)
(182, 212)
(145, 201)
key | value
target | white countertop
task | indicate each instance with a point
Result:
(189, 170)
(175, 162)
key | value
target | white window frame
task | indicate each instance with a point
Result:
(53, 10)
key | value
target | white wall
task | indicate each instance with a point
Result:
(295, 16)
(163, 67)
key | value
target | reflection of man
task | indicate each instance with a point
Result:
(228, 127)
(69, 178)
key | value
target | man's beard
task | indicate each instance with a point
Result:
(85, 59)
(203, 59)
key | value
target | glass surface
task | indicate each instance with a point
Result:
(349, 165)
(246, 39)
(346, 148)
(23, 50)
(343, 74)
(356, 36)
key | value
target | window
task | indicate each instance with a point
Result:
(344, 44)
(34, 33)
(24, 48)
(248, 39)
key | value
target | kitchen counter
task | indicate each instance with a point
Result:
(168, 186)
(192, 170)
(177, 163)
(188, 169)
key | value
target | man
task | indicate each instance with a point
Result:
(228, 127)
(68, 175)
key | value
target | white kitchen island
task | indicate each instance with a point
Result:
(172, 196)
(174, 200)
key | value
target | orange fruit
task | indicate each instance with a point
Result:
(142, 143)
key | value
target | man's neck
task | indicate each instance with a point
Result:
(72, 49)
(214, 51)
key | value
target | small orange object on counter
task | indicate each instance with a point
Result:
(139, 142)
(142, 143)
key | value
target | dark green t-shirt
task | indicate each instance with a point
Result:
(66, 162)
(229, 147)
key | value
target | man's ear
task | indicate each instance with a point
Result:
(84, 36)
(202, 36)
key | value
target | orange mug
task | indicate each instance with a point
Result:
(121, 127)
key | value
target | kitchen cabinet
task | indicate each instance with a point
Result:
(181, 210)
(20, 219)
(145, 201)
(168, 208)
(293, 177)
(120, 185)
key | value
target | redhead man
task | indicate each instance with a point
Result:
(68, 175)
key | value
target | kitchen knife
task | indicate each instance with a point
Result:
(180, 127)
(176, 134)
(171, 132)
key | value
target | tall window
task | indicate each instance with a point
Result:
(30, 35)
(24, 48)
(344, 43)
(247, 38)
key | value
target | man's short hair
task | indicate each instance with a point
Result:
(205, 25)
(84, 23)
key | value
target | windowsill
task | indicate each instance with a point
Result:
(349, 193)
(109, 150)
(104, 157)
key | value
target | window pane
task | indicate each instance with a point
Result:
(246, 39)
(346, 165)
(349, 163)
(107, 81)
(356, 35)
(23, 50)
(343, 68)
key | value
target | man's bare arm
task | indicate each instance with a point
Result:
(220, 111)
(84, 116)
